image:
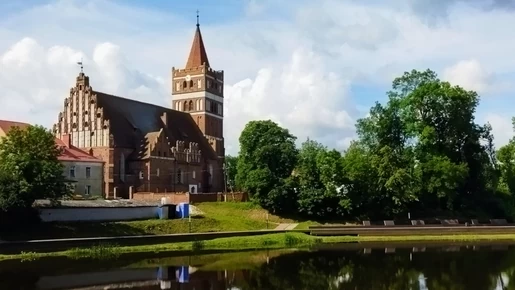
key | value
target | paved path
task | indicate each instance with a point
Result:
(286, 227)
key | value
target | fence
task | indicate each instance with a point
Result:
(176, 198)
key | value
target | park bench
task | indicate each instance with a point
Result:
(498, 222)
(389, 223)
(418, 223)
(366, 223)
(474, 222)
(451, 222)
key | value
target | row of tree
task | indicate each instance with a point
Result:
(422, 152)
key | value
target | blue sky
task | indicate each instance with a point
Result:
(314, 67)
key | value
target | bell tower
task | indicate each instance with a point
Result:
(199, 90)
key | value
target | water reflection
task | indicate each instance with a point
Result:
(406, 268)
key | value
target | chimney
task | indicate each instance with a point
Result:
(164, 118)
(66, 140)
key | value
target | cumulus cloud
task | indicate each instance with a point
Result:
(468, 74)
(299, 68)
(302, 96)
(502, 129)
(34, 80)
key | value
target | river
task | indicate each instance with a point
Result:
(357, 267)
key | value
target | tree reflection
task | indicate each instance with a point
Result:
(433, 270)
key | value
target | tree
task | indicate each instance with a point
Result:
(265, 163)
(320, 177)
(30, 169)
(425, 149)
(231, 162)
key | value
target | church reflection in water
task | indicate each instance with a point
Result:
(339, 267)
(182, 277)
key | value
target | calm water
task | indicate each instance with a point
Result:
(343, 267)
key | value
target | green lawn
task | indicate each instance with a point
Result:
(217, 216)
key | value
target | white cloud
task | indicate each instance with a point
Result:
(502, 128)
(296, 71)
(468, 74)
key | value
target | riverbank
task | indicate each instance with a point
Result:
(207, 217)
(269, 241)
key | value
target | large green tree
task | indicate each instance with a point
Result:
(424, 148)
(30, 168)
(265, 164)
(321, 183)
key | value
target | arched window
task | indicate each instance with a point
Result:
(185, 107)
(191, 106)
(191, 83)
(184, 84)
(122, 167)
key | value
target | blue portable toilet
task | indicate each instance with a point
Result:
(183, 274)
(183, 210)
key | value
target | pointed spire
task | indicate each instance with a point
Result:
(198, 55)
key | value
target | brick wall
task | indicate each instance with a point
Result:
(176, 198)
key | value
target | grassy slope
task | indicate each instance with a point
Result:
(221, 216)
(271, 241)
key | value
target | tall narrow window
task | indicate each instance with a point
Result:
(179, 176)
(210, 174)
(72, 171)
(88, 172)
(122, 167)
(191, 106)
(185, 107)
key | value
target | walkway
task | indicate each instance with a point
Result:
(286, 227)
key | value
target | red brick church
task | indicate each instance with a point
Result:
(148, 147)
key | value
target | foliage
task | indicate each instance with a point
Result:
(265, 163)
(421, 153)
(29, 169)
(231, 162)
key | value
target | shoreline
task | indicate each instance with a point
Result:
(274, 241)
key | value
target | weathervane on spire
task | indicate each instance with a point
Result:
(197, 19)
(81, 66)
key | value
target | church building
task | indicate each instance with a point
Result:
(150, 148)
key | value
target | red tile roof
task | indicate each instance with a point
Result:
(6, 125)
(72, 153)
(198, 55)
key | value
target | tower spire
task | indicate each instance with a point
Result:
(198, 55)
